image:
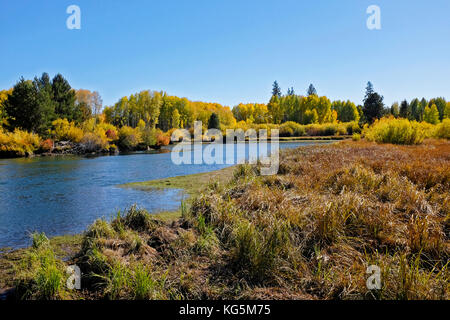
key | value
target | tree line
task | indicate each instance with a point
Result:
(312, 108)
(160, 110)
(308, 109)
(33, 105)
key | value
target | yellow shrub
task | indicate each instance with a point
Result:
(129, 138)
(396, 131)
(443, 130)
(326, 129)
(427, 128)
(66, 131)
(89, 125)
(352, 127)
(93, 143)
(110, 131)
(290, 128)
(18, 143)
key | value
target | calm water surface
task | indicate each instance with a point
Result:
(63, 195)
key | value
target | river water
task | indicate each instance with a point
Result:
(63, 195)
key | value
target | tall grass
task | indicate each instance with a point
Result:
(40, 274)
(316, 231)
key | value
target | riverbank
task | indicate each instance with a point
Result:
(309, 232)
(190, 184)
(67, 148)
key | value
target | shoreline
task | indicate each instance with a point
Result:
(118, 152)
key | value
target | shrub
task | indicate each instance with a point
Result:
(149, 137)
(326, 129)
(356, 137)
(162, 139)
(428, 129)
(330, 130)
(66, 131)
(93, 142)
(110, 131)
(18, 143)
(396, 131)
(443, 130)
(286, 131)
(352, 127)
(290, 129)
(113, 148)
(46, 145)
(111, 134)
(313, 130)
(129, 138)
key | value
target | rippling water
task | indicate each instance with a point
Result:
(63, 195)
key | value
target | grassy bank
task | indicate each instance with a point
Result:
(190, 184)
(309, 232)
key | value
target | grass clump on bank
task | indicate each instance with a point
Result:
(40, 274)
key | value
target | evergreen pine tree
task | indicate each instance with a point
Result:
(415, 107)
(373, 104)
(64, 97)
(214, 122)
(405, 111)
(276, 90)
(311, 90)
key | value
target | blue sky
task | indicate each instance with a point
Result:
(231, 51)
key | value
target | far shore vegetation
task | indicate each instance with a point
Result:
(48, 116)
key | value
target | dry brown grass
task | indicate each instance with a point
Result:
(334, 210)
